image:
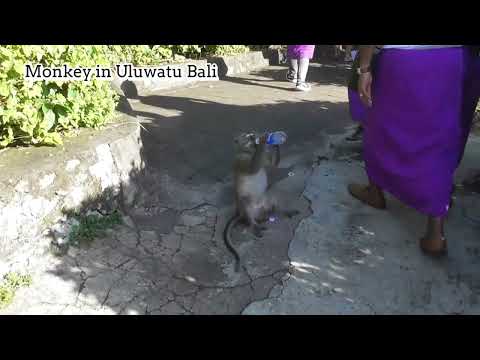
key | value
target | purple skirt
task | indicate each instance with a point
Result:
(358, 111)
(300, 51)
(416, 130)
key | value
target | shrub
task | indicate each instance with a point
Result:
(139, 55)
(189, 51)
(9, 286)
(38, 112)
(226, 49)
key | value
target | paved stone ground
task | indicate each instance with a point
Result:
(336, 257)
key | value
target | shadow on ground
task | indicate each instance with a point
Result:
(318, 74)
(190, 137)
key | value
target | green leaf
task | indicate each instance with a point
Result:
(36, 90)
(46, 107)
(60, 110)
(53, 139)
(4, 142)
(4, 90)
(7, 64)
(4, 52)
(48, 119)
(72, 94)
(19, 67)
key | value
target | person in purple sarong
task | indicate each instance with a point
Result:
(419, 99)
(299, 57)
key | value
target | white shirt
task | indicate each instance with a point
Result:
(418, 47)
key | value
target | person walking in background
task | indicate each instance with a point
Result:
(416, 126)
(299, 57)
(348, 53)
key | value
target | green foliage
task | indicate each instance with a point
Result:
(41, 112)
(189, 51)
(226, 49)
(38, 112)
(10, 284)
(139, 55)
(257, 47)
(92, 226)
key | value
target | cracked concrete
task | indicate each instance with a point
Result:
(335, 257)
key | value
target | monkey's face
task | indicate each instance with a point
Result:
(245, 143)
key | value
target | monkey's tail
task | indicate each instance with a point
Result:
(228, 240)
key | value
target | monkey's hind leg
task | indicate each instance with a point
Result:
(256, 228)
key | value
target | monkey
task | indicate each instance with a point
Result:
(254, 203)
(250, 184)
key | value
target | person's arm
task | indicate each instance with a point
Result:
(366, 54)
(365, 76)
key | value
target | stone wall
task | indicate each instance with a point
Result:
(238, 64)
(40, 185)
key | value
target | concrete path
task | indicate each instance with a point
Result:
(336, 257)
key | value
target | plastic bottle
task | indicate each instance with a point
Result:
(276, 138)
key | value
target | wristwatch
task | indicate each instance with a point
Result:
(361, 71)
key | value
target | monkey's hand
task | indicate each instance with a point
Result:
(262, 140)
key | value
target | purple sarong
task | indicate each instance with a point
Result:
(300, 51)
(416, 127)
(358, 111)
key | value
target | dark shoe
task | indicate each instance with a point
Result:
(291, 77)
(368, 195)
(357, 135)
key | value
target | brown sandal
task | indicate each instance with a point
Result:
(437, 253)
(367, 195)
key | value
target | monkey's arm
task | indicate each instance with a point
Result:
(259, 158)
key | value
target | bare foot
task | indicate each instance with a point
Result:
(368, 194)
